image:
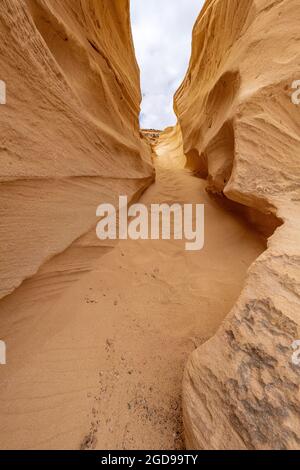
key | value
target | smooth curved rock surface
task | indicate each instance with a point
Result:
(241, 130)
(69, 131)
(169, 149)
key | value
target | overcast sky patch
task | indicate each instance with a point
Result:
(162, 31)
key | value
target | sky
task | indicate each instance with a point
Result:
(162, 32)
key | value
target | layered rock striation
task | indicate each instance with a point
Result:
(69, 128)
(241, 131)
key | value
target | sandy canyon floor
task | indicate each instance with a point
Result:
(98, 363)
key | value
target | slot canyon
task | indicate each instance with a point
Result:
(141, 344)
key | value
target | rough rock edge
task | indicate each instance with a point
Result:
(241, 389)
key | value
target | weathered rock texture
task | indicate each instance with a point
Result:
(241, 130)
(69, 131)
(151, 136)
(169, 149)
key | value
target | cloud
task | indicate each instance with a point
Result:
(162, 31)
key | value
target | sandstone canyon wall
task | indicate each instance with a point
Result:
(69, 130)
(241, 131)
(70, 140)
(169, 149)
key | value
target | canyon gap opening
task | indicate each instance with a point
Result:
(162, 33)
(102, 360)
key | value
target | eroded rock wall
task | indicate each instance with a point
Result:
(69, 130)
(241, 130)
(169, 149)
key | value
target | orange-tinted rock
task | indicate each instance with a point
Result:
(69, 131)
(241, 129)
